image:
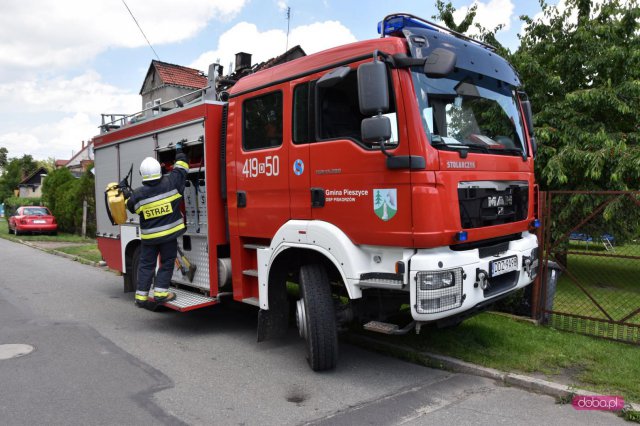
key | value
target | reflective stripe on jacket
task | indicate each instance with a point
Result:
(158, 204)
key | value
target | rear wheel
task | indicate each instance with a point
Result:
(315, 317)
(10, 230)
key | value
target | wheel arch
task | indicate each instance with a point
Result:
(302, 242)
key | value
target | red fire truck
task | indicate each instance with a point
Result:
(380, 177)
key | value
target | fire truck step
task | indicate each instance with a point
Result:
(187, 300)
(387, 328)
(250, 272)
(254, 246)
(380, 327)
(252, 301)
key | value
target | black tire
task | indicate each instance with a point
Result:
(16, 232)
(131, 277)
(10, 230)
(320, 331)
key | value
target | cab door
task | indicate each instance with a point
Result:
(351, 185)
(263, 203)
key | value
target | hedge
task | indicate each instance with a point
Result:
(11, 204)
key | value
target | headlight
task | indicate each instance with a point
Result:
(431, 280)
(438, 291)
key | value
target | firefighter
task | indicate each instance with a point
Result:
(157, 202)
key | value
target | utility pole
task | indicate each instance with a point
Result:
(84, 218)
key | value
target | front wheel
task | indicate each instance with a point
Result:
(316, 319)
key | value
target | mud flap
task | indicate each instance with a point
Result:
(273, 323)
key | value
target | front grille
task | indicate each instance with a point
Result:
(481, 206)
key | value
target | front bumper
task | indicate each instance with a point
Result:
(468, 267)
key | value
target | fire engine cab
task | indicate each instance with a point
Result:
(384, 176)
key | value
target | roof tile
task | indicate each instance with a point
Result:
(180, 76)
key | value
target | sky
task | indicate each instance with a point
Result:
(64, 62)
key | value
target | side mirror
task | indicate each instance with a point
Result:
(376, 129)
(440, 63)
(373, 92)
(528, 117)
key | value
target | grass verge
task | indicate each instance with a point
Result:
(87, 251)
(498, 342)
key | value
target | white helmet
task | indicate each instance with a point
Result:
(150, 169)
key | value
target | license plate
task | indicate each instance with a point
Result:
(39, 221)
(503, 266)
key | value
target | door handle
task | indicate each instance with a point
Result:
(241, 198)
(317, 197)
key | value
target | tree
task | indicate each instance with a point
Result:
(445, 14)
(64, 195)
(53, 188)
(581, 69)
(3, 157)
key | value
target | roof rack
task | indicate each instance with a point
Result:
(428, 24)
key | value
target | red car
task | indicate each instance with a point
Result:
(32, 219)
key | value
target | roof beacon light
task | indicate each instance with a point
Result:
(394, 26)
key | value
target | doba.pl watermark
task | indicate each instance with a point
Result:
(598, 402)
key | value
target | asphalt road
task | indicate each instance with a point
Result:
(98, 360)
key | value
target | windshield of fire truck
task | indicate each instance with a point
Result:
(471, 112)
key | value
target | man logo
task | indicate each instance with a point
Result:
(500, 200)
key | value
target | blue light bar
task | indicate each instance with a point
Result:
(536, 223)
(462, 236)
(395, 25)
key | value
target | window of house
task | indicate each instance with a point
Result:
(262, 122)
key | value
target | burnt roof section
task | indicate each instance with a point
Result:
(291, 54)
(175, 75)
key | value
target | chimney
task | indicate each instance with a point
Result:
(243, 61)
(82, 144)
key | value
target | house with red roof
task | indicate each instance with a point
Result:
(165, 81)
(81, 160)
(60, 163)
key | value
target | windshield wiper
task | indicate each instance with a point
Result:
(515, 151)
(478, 148)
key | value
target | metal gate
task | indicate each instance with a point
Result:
(590, 277)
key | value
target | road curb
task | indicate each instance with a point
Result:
(443, 362)
(62, 254)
